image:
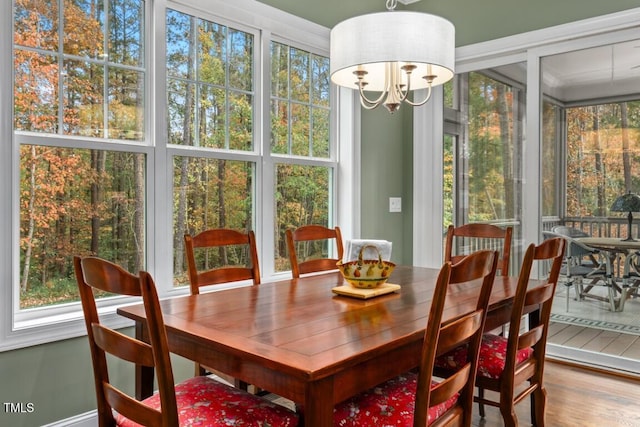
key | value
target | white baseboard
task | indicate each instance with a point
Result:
(88, 419)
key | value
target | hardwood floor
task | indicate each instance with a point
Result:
(579, 397)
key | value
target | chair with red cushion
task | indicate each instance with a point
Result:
(309, 249)
(197, 401)
(468, 238)
(204, 271)
(417, 398)
(507, 363)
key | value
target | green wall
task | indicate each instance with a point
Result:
(475, 21)
(384, 174)
(57, 377)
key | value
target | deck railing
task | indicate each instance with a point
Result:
(594, 226)
(469, 245)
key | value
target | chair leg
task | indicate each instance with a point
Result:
(539, 402)
(509, 416)
(579, 289)
(480, 404)
(507, 407)
(199, 370)
(241, 385)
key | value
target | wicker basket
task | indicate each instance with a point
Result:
(366, 273)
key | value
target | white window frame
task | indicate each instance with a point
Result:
(526, 47)
(65, 321)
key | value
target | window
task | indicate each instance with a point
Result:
(80, 72)
(210, 105)
(486, 158)
(481, 150)
(490, 152)
(115, 163)
(79, 118)
(304, 164)
(552, 137)
(603, 153)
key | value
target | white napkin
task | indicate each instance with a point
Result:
(352, 250)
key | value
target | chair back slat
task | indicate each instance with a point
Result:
(122, 346)
(126, 405)
(460, 329)
(530, 338)
(450, 386)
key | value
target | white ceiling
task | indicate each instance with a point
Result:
(593, 73)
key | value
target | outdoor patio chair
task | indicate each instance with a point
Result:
(581, 262)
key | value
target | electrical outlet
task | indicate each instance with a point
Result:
(395, 204)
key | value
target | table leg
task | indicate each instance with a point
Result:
(626, 287)
(317, 411)
(610, 283)
(143, 374)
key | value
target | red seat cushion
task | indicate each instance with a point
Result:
(388, 404)
(203, 401)
(491, 360)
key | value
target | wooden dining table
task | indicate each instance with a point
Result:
(298, 339)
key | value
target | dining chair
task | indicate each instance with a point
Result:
(309, 251)
(513, 366)
(186, 403)
(475, 236)
(224, 241)
(416, 398)
(201, 273)
(582, 263)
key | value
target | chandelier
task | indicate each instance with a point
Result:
(392, 53)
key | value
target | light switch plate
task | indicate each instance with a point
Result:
(395, 204)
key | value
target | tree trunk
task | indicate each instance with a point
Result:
(181, 216)
(599, 165)
(24, 285)
(506, 118)
(626, 157)
(138, 216)
(98, 165)
(222, 216)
